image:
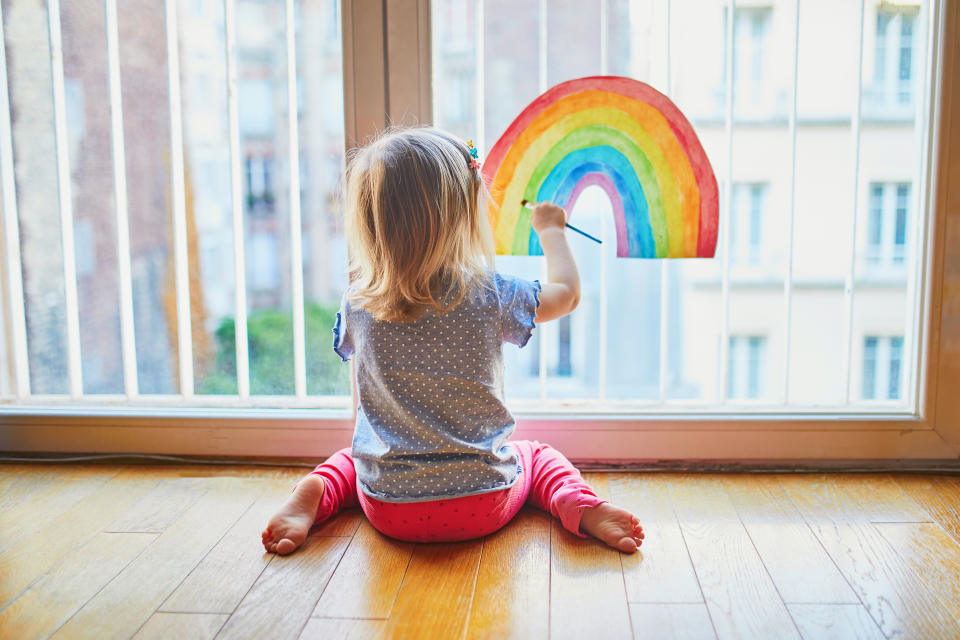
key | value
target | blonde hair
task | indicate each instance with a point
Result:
(413, 223)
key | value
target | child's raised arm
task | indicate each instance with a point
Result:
(561, 293)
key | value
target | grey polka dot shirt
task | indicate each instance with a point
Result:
(432, 422)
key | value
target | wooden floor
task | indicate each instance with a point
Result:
(174, 552)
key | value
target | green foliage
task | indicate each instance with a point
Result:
(270, 340)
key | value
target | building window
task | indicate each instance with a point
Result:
(753, 93)
(746, 367)
(260, 196)
(893, 68)
(882, 366)
(746, 222)
(887, 224)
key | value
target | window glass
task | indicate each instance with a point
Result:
(265, 169)
(690, 332)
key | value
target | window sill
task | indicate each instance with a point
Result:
(316, 434)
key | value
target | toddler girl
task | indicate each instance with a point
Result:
(425, 318)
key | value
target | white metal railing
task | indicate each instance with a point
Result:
(185, 355)
(296, 242)
(664, 265)
(182, 274)
(724, 230)
(66, 201)
(236, 190)
(127, 340)
(847, 353)
(791, 227)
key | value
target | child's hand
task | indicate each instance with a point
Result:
(546, 216)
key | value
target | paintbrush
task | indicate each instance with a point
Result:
(569, 226)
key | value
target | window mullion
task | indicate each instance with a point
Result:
(11, 236)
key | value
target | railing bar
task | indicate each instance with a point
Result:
(849, 282)
(728, 202)
(435, 64)
(296, 242)
(664, 275)
(127, 331)
(11, 233)
(542, 46)
(180, 252)
(239, 237)
(480, 70)
(604, 312)
(541, 88)
(788, 277)
(604, 277)
(604, 49)
(64, 180)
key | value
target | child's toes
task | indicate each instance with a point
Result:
(627, 545)
(285, 546)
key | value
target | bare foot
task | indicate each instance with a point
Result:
(614, 526)
(288, 527)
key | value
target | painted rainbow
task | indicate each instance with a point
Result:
(623, 136)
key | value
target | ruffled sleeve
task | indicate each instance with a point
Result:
(342, 341)
(519, 300)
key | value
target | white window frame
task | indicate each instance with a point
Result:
(390, 40)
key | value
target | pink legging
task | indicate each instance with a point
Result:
(548, 479)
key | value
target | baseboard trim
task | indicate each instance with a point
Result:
(930, 466)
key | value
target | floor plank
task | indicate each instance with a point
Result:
(32, 514)
(797, 563)
(344, 629)
(835, 622)
(437, 589)
(53, 599)
(660, 571)
(939, 496)
(280, 602)
(877, 498)
(182, 626)
(17, 481)
(368, 578)
(934, 556)
(223, 577)
(889, 588)
(586, 575)
(512, 598)
(671, 621)
(160, 507)
(342, 524)
(46, 547)
(741, 598)
(129, 600)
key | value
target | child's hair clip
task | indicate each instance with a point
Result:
(475, 163)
